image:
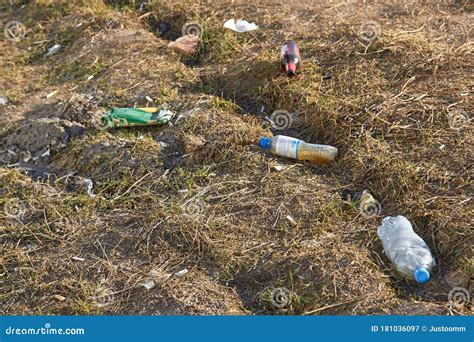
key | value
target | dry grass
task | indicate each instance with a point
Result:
(200, 194)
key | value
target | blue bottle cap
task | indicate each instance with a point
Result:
(421, 275)
(265, 143)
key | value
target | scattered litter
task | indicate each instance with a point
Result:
(292, 221)
(290, 57)
(76, 258)
(87, 182)
(181, 273)
(148, 98)
(53, 49)
(149, 284)
(278, 168)
(90, 77)
(59, 298)
(289, 147)
(405, 249)
(240, 26)
(47, 153)
(3, 100)
(125, 117)
(51, 94)
(186, 45)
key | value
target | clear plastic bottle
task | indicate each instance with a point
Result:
(405, 249)
(289, 147)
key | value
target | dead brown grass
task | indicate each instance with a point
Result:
(200, 194)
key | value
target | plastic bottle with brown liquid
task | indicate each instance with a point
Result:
(289, 147)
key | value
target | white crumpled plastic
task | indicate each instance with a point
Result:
(240, 25)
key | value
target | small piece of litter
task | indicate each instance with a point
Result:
(278, 167)
(181, 273)
(90, 77)
(60, 298)
(51, 94)
(46, 153)
(87, 182)
(149, 284)
(53, 49)
(3, 100)
(76, 258)
(148, 98)
(240, 25)
(292, 221)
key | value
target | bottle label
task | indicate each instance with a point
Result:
(287, 147)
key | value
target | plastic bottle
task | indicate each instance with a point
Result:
(290, 57)
(289, 147)
(405, 249)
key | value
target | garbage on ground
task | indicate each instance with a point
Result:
(53, 49)
(289, 147)
(290, 57)
(291, 219)
(89, 185)
(181, 273)
(278, 168)
(148, 284)
(76, 258)
(186, 45)
(3, 100)
(47, 96)
(59, 298)
(405, 249)
(127, 117)
(240, 26)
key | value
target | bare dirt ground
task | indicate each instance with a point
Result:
(200, 195)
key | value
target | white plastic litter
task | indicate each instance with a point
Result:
(3, 100)
(89, 184)
(181, 273)
(406, 249)
(240, 25)
(53, 49)
(148, 284)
